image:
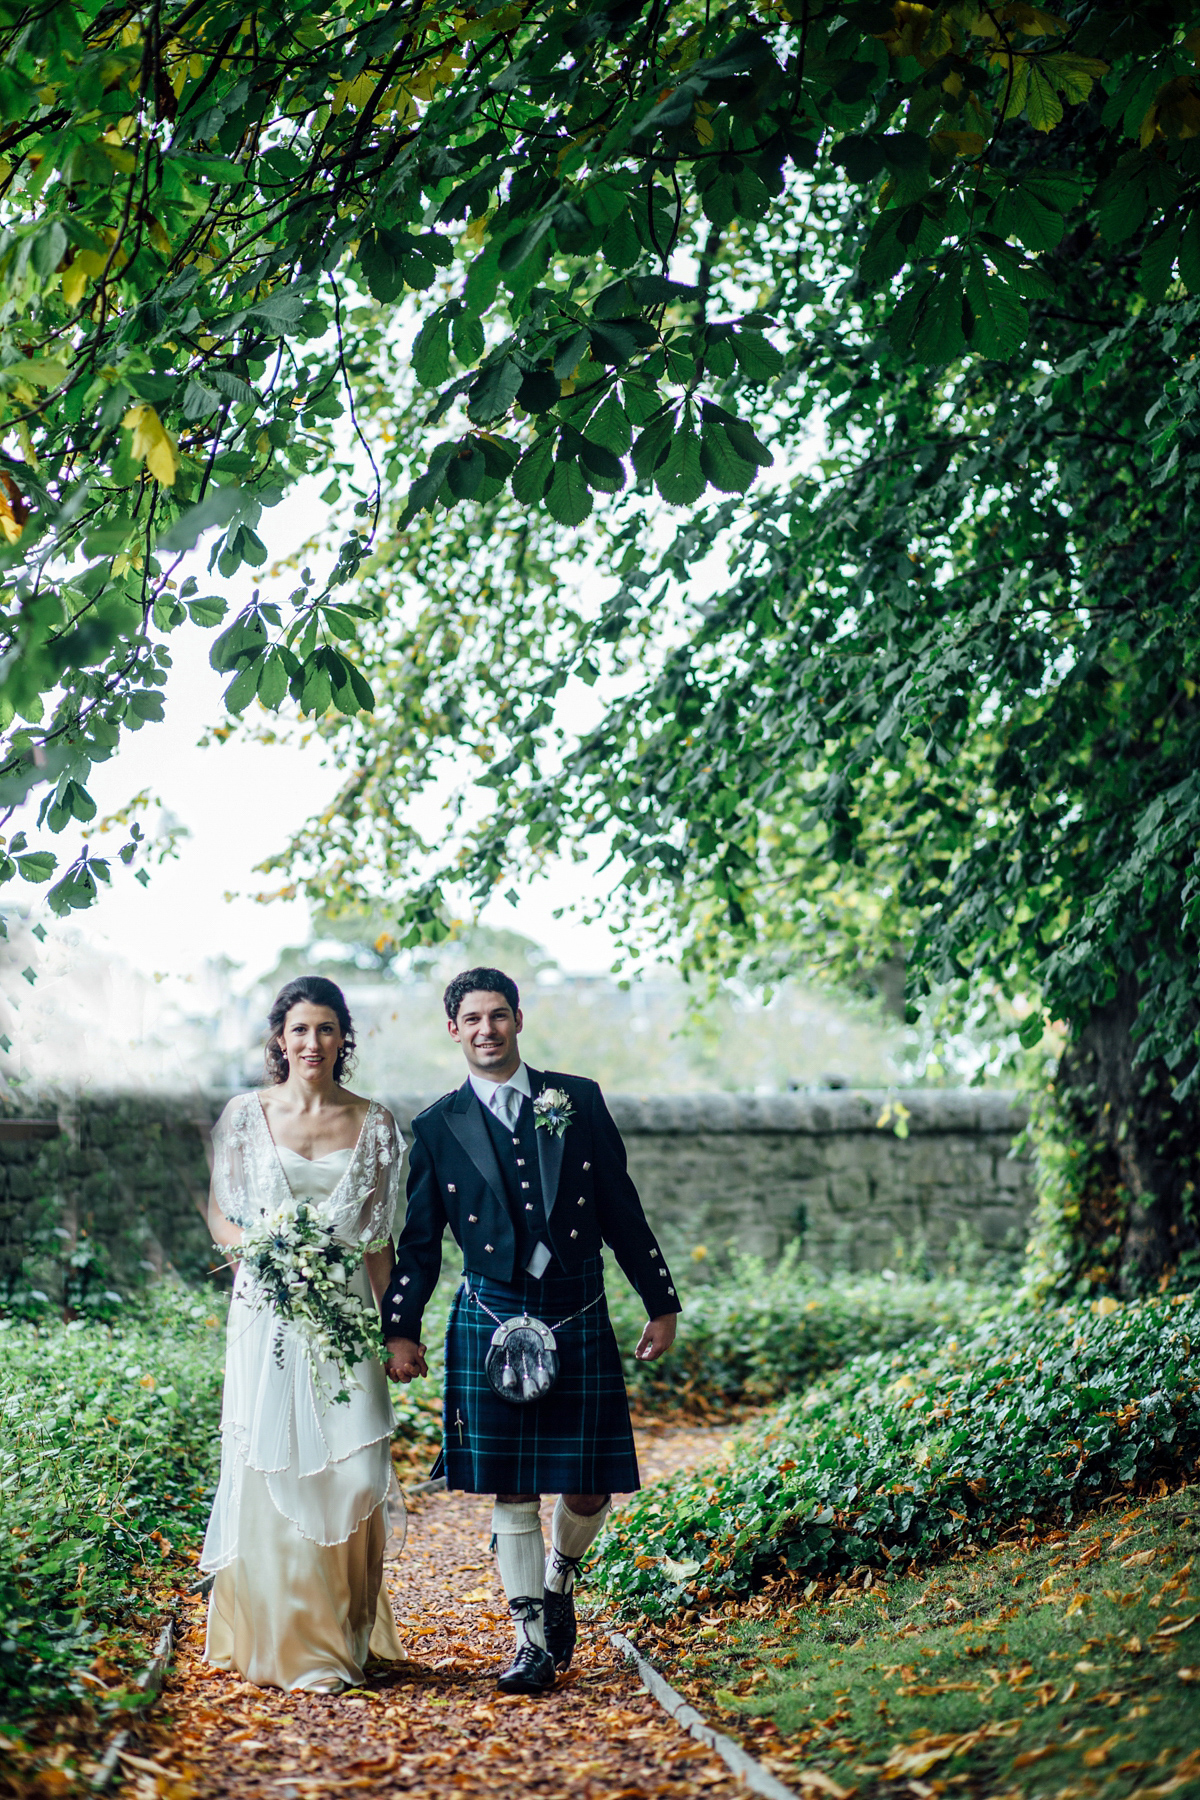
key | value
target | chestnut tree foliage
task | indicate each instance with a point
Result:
(892, 304)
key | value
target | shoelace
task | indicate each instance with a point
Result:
(567, 1567)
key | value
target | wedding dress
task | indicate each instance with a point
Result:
(300, 1521)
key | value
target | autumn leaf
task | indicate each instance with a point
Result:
(152, 443)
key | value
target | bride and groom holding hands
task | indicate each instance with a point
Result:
(529, 1172)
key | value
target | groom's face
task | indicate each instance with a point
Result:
(487, 1028)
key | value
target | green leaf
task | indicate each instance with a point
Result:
(494, 392)
(604, 470)
(431, 351)
(243, 687)
(1158, 261)
(532, 475)
(568, 499)
(465, 472)
(999, 322)
(37, 865)
(1021, 213)
(757, 357)
(609, 426)
(467, 333)
(208, 611)
(727, 472)
(272, 680)
(653, 444)
(1043, 108)
(681, 479)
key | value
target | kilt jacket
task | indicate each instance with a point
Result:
(454, 1179)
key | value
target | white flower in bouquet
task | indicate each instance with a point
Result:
(299, 1266)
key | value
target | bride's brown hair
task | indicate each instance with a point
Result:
(310, 990)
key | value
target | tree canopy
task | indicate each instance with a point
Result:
(194, 193)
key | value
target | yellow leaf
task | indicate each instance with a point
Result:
(74, 283)
(159, 238)
(963, 143)
(1103, 1308)
(152, 443)
(356, 92)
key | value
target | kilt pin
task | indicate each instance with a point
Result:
(496, 1190)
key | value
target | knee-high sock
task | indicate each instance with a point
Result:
(571, 1535)
(521, 1557)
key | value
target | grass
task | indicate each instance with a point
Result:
(1063, 1664)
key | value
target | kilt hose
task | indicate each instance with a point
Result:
(577, 1439)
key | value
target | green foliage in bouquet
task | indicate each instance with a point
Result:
(303, 1269)
(909, 1454)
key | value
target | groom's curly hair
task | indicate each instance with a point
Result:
(479, 981)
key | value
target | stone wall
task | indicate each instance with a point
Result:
(762, 1169)
(130, 1174)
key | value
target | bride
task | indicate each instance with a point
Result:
(299, 1524)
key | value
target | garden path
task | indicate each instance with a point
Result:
(435, 1725)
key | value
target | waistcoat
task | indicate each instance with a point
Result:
(516, 1152)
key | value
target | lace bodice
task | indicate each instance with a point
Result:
(249, 1176)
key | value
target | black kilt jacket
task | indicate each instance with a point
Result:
(454, 1179)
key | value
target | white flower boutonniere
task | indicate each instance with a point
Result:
(552, 1111)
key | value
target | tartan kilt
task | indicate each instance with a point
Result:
(577, 1439)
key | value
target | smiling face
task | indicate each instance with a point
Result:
(310, 1039)
(487, 1028)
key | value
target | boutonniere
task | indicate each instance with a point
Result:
(552, 1111)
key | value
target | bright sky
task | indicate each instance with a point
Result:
(239, 801)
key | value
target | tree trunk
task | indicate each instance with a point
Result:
(1138, 1205)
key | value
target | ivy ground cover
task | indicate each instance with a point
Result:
(937, 1446)
(109, 1451)
(1064, 1663)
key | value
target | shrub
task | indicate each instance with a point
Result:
(903, 1454)
(756, 1333)
(110, 1437)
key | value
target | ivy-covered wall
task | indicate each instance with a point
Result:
(110, 1201)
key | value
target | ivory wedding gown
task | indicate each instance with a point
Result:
(300, 1521)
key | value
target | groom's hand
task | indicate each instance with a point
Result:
(657, 1338)
(405, 1359)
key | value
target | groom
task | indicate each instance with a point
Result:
(528, 1170)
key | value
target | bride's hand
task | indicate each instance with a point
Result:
(405, 1359)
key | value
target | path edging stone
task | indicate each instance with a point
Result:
(738, 1761)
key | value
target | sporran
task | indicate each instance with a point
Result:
(521, 1364)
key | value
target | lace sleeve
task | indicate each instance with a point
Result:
(230, 1192)
(379, 1187)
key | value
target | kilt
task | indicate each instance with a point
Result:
(577, 1439)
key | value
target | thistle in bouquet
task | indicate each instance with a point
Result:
(300, 1267)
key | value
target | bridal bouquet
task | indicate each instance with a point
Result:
(303, 1269)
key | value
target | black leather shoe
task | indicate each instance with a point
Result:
(530, 1672)
(558, 1614)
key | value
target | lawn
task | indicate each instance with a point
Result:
(1064, 1663)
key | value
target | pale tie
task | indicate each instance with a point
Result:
(506, 1104)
